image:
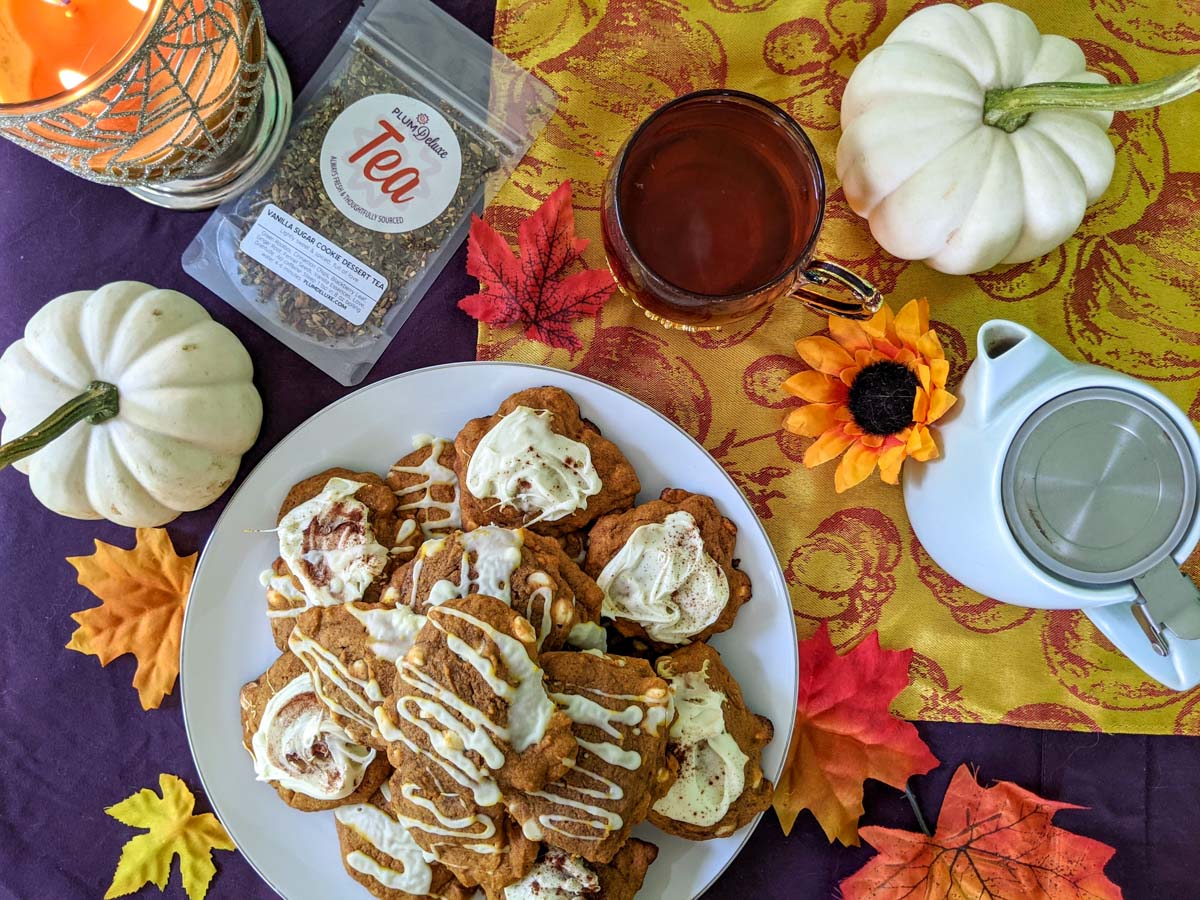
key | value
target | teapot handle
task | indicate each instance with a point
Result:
(1168, 598)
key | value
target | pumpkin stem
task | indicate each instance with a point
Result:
(1008, 108)
(98, 402)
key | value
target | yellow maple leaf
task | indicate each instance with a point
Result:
(143, 593)
(172, 829)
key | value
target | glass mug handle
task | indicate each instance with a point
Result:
(863, 300)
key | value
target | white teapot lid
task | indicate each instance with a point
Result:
(1099, 486)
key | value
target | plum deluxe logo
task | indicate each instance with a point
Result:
(391, 163)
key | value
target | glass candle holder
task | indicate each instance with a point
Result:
(190, 110)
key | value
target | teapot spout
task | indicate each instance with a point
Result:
(1010, 361)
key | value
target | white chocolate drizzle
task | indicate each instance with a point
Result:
(493, 554)
(347, 557)
(588, 636)
(436, 475)
(299, 747)
(285, 587)
(664, 579)
(387, 835)
(475, 832)
(525, 464)
(391, 632)
(452, 727)
(556, 876)
(712, 774)
(585, 820)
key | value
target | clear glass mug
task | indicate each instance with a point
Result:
(711, 211)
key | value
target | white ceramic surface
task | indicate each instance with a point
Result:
(1014, 373)
(226, 639)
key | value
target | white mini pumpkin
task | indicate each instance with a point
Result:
(127, 403)
(970, 139)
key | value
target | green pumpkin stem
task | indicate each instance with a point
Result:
(98, 402)
(1008, 108)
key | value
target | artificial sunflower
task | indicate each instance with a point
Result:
(875, 388)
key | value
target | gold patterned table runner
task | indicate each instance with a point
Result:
(1124, 293)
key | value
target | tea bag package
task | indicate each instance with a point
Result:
(404, 129)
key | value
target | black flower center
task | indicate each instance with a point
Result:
(881, 398)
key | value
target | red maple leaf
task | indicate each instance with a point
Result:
(533, 291)
(845, 734)
(990, 843)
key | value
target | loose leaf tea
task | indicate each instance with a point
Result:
(296, 187)
(411, 119)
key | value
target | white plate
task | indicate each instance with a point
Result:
(226, 640)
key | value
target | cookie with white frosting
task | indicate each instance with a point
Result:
(339, 539)
(482, 845)
(380, 854)
(352, 651)
(426, 486)
(559, 876)
(536, 463)
(470, 700)
(528, 571)
(621, 713)
(718, 743)
(298, 749)
(666, 570)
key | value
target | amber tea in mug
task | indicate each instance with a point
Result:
(711, 211)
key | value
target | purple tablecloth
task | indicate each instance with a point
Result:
(74, 740)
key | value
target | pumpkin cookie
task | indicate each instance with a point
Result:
(380, 854)
(470, 700)
(351, 651)
(527, 571)
(339, 539)
(298, 749)
(536, 463)
(666, 570)
(559, 876)
(482, 846)
(426, 486)
(621, 714)
(719, 745)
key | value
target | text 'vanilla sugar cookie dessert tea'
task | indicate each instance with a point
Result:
(410, 121)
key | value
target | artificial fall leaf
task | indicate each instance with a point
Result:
(533, 292)
(845, 734)
(990, 842)
(172, 829)
(144, 591)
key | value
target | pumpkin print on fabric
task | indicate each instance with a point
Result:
(1121, 291)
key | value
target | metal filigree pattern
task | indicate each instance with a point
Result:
(182, 98)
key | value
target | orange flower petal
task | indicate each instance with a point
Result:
(826, 447)
(874, 441)
(852, 428)
(905, 356)
(856, 465)
(920, 409)
(890, 461)
(816, 387)
(849, 334)
(812, 420)
(939, 370)
(912, 322)
(921, 445)
(879, 326)
(823, 354)
(939, 402)
(930, 346)
(924, 376)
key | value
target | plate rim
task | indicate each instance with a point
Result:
(776, 571)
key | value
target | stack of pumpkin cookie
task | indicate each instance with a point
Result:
(493, 664)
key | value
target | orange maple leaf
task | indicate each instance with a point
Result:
(143, 593)
(990, 842)
(845, 734)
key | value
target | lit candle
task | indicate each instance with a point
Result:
(48, 46)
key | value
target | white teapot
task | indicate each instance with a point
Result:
(1068, 486)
